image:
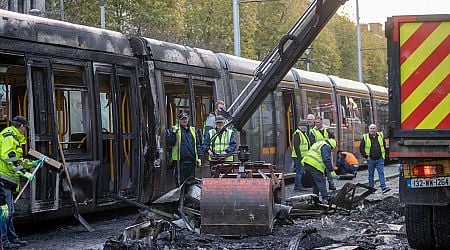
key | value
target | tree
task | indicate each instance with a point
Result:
(209, 25)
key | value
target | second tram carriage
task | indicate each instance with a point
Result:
(109, 100)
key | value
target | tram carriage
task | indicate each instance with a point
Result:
(109, 100)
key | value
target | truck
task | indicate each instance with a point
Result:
(419, 123)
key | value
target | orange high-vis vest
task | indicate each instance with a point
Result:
(350, 158)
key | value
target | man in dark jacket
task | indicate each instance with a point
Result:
(373, 148)
(186, 148)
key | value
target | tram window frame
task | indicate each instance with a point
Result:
(254, 137)
(13, 77)
(184, 102)
(354, 122)
(332, 108)
(80, 85)
(382, 122)
(190, 83)
(363, 109)
(207, 101)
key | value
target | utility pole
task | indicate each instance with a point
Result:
(237, 32)
(358, 33)
(102, 14)
(61, 11)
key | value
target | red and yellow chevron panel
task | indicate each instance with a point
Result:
(425, 75)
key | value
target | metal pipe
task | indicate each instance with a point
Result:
(358, 34)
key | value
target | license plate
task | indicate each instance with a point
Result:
(428, 182)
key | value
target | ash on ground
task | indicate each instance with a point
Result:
(376, 224)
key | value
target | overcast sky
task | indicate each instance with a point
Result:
(377, 11)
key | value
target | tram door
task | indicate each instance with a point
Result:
(128, 167)
(118, 165)
(45, 190)
(177, 99)
(108, 116)
(291, 115)
(193, 95)
(204, 105)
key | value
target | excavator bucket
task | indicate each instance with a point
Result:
(237, 206)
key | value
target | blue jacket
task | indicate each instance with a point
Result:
(325, 151)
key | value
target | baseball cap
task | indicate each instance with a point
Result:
(183, 115)
(21, 120)
(302, 122)
(220, 118)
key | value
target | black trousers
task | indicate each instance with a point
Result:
(187, 169)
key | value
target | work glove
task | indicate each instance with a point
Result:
(333, 175)
(37, 163)
(27, 164)
(29, 176)
(4, 212)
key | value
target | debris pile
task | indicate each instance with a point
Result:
(373, 222)
(144, 233)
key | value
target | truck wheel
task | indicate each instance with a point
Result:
(419, 226)
(441, 222)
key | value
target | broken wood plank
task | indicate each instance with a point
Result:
(36, 154)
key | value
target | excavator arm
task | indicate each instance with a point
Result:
(277, 64)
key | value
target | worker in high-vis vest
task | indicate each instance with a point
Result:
(12, 167)
(186, 148)
(310, 118)
(300, 145)
(224, 143)
(321, 133)
(317, 162)
(373, 148)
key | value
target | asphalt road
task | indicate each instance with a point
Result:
(70, 235)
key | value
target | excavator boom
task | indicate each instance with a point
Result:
(277, 64)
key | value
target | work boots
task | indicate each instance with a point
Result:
(22, 243)
(10, 245)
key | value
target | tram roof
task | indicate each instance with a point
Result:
(313, 78)
(349, 85)
(176, 53)
(246, 66)
(378, 91)
(43, 30)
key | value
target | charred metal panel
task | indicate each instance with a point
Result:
(176, 57)
(43, 30)
(84, 179)
(236, 206)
